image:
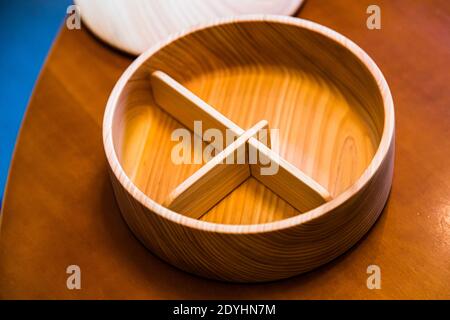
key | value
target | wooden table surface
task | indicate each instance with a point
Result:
(59, 207)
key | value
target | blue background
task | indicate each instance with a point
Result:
(27, 30)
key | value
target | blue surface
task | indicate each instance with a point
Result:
(27, 29)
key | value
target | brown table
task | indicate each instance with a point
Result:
(59, 207)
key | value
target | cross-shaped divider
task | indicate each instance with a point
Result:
(216, 179)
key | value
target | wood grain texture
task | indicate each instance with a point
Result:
(59, 208)
(136, 25)
(289, 183)
(216, 179)
(249, 52)
(184, 106)
(284, 179)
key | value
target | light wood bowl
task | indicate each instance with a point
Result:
(335, 114)
(134, 26)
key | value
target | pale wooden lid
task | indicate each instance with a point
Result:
(135, 25)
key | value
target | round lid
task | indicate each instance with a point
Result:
(135, 25)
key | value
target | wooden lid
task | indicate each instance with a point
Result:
(134, 26)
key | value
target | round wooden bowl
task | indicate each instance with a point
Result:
(335, 116)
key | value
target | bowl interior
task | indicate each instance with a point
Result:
(321, 97)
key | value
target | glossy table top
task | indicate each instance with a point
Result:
(59, 207)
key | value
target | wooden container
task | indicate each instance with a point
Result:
(134, 26)
(335, 116)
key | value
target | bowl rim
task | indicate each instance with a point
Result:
(385, 143)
